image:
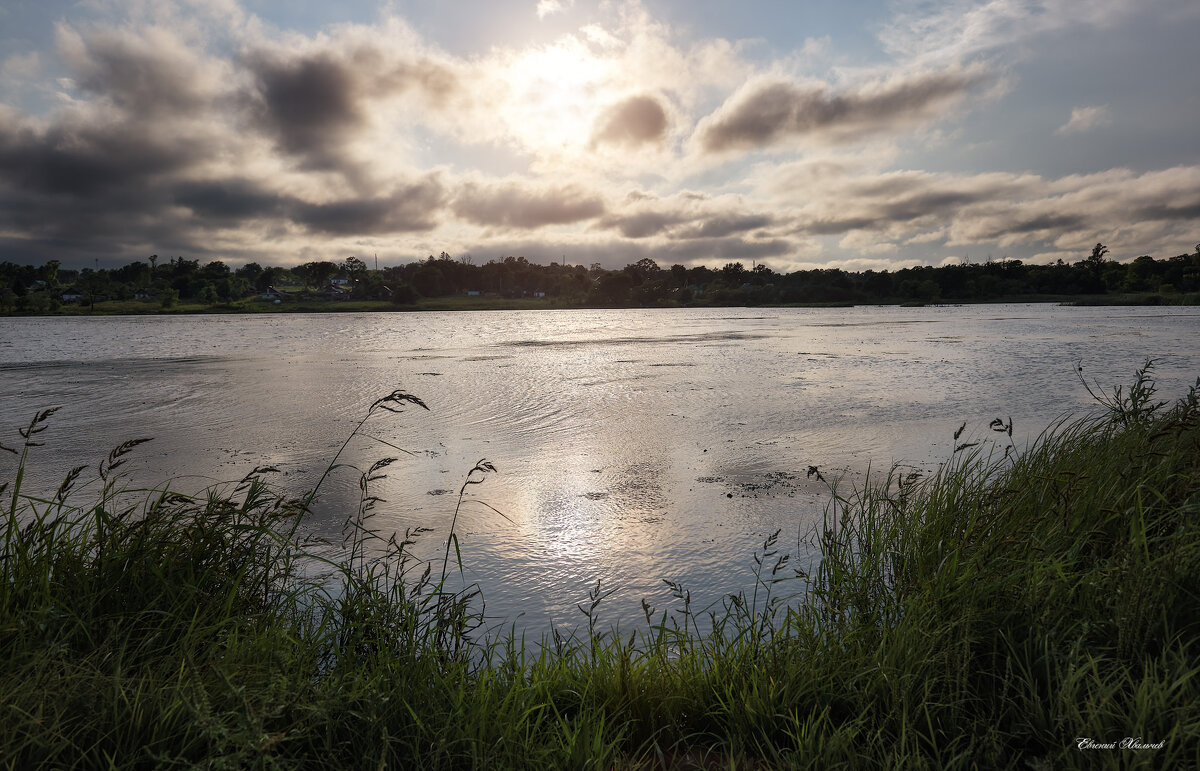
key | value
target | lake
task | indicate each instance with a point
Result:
(632, 445)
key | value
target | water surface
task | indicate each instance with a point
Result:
(633, 445)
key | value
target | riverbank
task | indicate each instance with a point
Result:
(996, 614)
(463, 303)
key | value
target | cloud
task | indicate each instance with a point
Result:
(514, 205)
(683, 217)
(315, 103)
(84, 155)
(547, 7)
(721, 226)
(957, 30)
(1145, 212)
(228, 200)
(644, 223)
(769, 112)
(1085, 119)
(199, 129)
(149, 72)
(310, 105)
(409, 208)
(631, 123)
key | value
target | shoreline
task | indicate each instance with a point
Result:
(250, 308)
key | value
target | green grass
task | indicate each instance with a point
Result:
(986, 617)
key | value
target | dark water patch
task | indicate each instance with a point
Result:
(884, 323)
(681, 338)
(592, 383)
(125, 365)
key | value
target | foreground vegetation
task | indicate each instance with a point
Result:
(446, 283)
(994, 615)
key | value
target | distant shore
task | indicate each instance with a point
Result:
(256, 306)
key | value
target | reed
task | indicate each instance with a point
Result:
(990, 615)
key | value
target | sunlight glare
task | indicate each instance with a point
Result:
(555, 90)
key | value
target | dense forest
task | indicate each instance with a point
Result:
(166, 284)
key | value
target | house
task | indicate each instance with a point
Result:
(473, 293)
(271, 293)
(71, 297)
(333, 291)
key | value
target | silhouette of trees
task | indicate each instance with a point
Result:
(28, 288)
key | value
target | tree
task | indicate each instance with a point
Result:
(734, 273)
(93, 283)
(320, 272)
(646, 268)
(208, 294)
(613, 288)
(250, 271)
(49, 273)
(429, 281)
(1095, 261)
(355, 270)
(215, 271)
(268, 277)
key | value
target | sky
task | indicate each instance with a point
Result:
(872, 135)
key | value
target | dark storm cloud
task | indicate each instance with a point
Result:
(516, 206)
(81, 158)
(312, 104)
(684, 216)
(727, 225)
(1041, 222)
(1170, 211)
(729, 249)
(72, 254)
(309, 105)
(832, 227)
(119, 223)
(183, 216)
(409, 209)
(228, 200)
(769, 112)
(633, 122)
(643, 224)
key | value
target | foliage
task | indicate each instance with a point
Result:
(643, 283)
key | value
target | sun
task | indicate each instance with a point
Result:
(556, 92)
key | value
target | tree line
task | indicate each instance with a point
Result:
(42, 288)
